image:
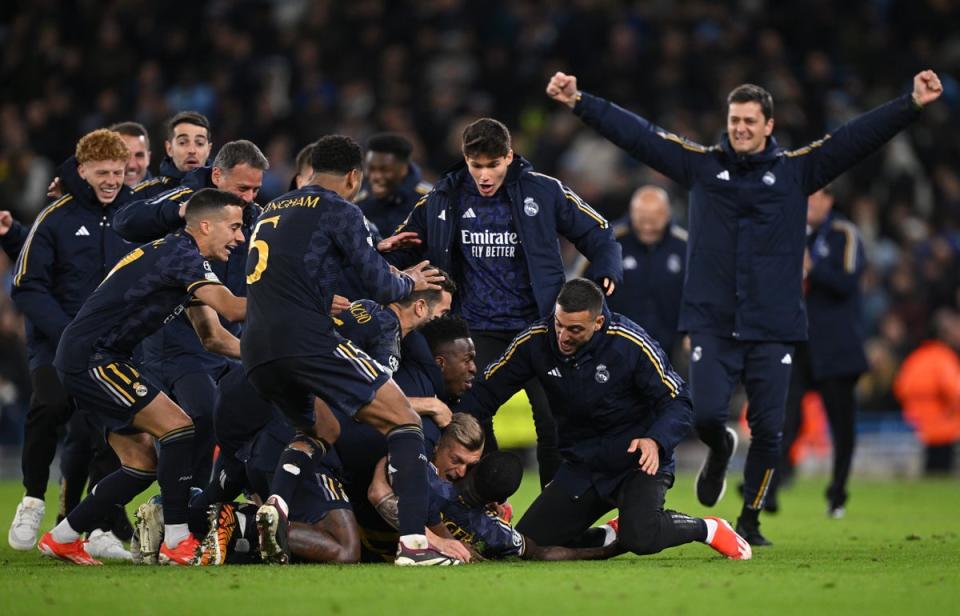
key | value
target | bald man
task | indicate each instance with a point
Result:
(654, 260)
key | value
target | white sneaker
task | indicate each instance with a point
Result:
(149, 521)
(26, 524)
(106, 546)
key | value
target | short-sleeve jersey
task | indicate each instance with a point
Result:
(147, 288)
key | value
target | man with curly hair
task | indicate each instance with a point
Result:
(69, 250)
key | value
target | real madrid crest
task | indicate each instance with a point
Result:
(530, 207)
(602, 375)
(769, 179)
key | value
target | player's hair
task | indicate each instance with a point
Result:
(432, 296)
(493, 479)
(187, 117)
(303, 158)
(241, 151)
(750, 93)
(337, 154)
(209, 201)
(581, 294)
(101, 144)
(444, 330)
(132, 129)
(391, 143)
(465, 430)
(486, 137)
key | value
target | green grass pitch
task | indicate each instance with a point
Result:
(896, 552)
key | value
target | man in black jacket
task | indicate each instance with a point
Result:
(493, 222)
(620, 410)
(187, 146)
(742, 302)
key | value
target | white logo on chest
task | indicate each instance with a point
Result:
(602, 375)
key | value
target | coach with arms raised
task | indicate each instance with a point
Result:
(742, 303)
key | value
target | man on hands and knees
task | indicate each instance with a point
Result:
(295, 358)
(144, 290)
(620, 409)
(742, 299)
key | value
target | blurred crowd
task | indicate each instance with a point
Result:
(283, 72)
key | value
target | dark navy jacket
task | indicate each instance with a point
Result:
(543, 208)
(618, 387)
(747, 213)
(652, 282)
(12, 242)
(389, 213)
(70, 249)
(176, 350)
(834, 299)
(169, 177)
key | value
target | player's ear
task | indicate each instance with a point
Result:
(440, 361)
(599, 322)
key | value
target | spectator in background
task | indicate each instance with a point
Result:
(833, 358)
(392, 182)
(138, 142)
(654, 258)
(928, 387)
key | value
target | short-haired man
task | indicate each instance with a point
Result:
(70, 248)
(654, 264)
(173, 355)
(620, 409)
(742, 302)
(187, 145)
(393, 183)
(493, 222)
(95, 361)
(294, 356)
(138, 142)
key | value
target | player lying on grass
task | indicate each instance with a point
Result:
(465, 510)
(145, 290)
(620, 410)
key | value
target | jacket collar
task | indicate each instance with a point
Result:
(168, 169)
(458, 173)
(769, 153)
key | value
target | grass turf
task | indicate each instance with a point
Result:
(896, 552)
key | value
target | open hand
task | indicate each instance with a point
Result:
(425, 276)
(405, 239)
(649, 454)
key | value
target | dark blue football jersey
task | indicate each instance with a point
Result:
(146, 289)
(300, 245)
(373, 328)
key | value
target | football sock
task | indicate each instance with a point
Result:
(174, 473)
(116, 489)
(64, 533)
(291, 467)
(173, 534)
(406, 464)
(711, 530)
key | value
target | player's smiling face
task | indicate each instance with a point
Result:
(575, 329)
(747, 128)
(105, 177)
(139, 160)
(242, 180)
(453, 460)
(488, 172)
(385, 173)
(224, 233)
(190, 147)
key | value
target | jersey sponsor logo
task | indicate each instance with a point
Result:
(490, 244)
(629, 262)
(469, 213)
(530, 207)
(674, 264)
(697, 353)
(787, 360)
(555, 372)
(724, 175)
(82, 231)
(769, 179)
(602, 375)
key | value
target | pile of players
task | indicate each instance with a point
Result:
(324, 362)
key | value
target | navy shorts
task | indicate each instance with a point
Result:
(346, 378)
(113, 392)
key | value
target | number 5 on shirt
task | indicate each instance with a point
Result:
(262, 248)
